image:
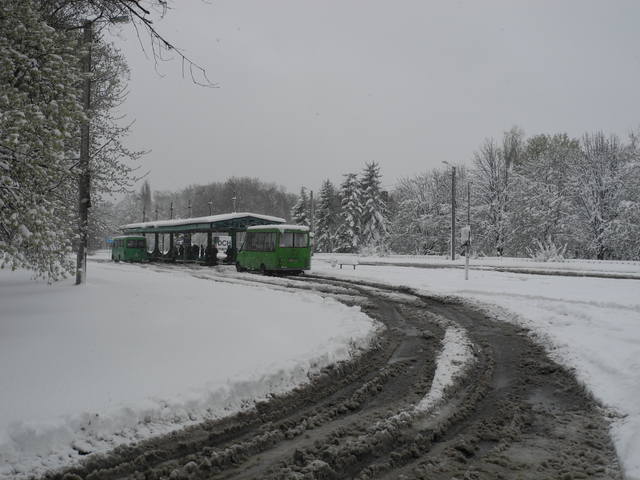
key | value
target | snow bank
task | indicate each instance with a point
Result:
(136, 353)
(453, 359)
(591, 325)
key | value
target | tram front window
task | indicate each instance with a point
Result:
(290, 239)
(286, 240)
(135, 243)
(300, 240)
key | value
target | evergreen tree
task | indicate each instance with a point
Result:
(301, 211)
(326, 221)
(145, 199)
(348, 236)
(373, 219)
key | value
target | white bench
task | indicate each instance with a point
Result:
(347, 261)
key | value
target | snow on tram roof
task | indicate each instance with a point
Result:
(281, 227)
(208, 219)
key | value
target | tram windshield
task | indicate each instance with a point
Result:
(135, 243)
(290, 239)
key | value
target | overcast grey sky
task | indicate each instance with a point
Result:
(314, 89)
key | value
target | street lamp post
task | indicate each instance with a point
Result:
(311, 212)
(453, 209)
(210, 208)
(467, 234)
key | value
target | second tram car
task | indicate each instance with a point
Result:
(275, 248)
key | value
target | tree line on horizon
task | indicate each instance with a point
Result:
(548, 196)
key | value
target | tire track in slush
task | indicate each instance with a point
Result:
(515, 413)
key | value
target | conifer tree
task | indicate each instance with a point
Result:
(300, 213)
(327, 221)
(348, 237)
(374, 209)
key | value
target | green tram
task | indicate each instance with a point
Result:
(129, 248)
(275, 248)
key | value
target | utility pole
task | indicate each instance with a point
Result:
(234, 198)
(312, 222)
(210, 203)
(156, 212)
(453, 209)
(453, 213)
(84, 182)
(468, 234)
(171, 211)
(311, 211)
(144, 213)
(189, 208)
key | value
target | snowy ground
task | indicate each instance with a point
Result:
(592, 267)
(591, 325)
(84, 374)
(135, 353)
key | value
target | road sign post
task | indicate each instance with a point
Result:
(465, 239)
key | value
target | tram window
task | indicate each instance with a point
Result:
(135, 243)
(286, 239)
(259, 241)
(250, 241)
(300, 240)
(269, 242)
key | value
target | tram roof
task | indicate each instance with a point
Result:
(281, 227)
(226, 222)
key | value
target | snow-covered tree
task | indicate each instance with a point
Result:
(145, 199)
(39, 113)
(540, 197)
(422, 221)
(348, 236)
(374, 209)
(112, 164)
(327, 218)
(597, 180)
(489, 188)
(301, 211)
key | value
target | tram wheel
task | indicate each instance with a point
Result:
(263, 269)
(239, 267)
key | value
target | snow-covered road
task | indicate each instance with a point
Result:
(591, 325)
